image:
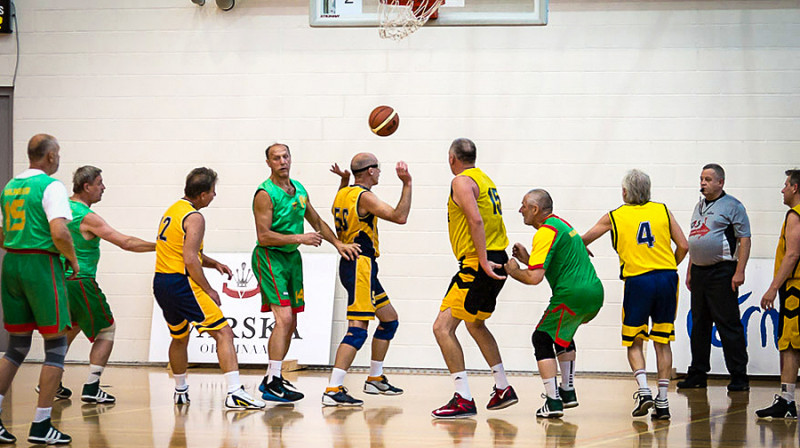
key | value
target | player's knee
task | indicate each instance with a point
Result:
(568, 349)
(55, 350)
(355, 337)
(106, 334)
(543, 346)
(18, 348)
(386, 330)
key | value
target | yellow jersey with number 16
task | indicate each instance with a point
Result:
(491, 212)
(170, 238)
(641, 236)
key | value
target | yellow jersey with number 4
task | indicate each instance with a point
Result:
(641, 236)
(171, 235)
(350, 226)
(491, 212)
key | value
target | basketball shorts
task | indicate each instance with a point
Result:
(472, 294)
(788, 329)
(183, 302)
(651, 296)
(280, 278)
(365, 295)
(88, 307)
(566, 313)
(33, 293)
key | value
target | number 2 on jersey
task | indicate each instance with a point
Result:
(167, 220)
(645, 235)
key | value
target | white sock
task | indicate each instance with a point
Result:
(1, 402)
(550, 387)
(641, 379)
(462, 386)
(42, 414)
(663, 385)
(787, 391)
(375, 368)
(274, 369)
(232, 378)
(499, 373)
(180, 381)
(567, 374)
(94, 373)
(337, 377)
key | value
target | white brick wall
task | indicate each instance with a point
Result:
(149, 89)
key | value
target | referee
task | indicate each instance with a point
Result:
(719, 247)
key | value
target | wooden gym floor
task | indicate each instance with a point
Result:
(144, 415)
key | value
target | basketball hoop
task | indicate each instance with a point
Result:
(399, 18)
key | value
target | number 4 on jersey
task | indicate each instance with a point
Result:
(644, 235)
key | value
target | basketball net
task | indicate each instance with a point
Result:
(399, 18)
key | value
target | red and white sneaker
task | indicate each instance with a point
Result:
(502, 399)
(457, 407)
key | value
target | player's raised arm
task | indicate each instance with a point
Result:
(96, 225)
(343, 175)
(347, 251)
(465, 194)
(370, 202)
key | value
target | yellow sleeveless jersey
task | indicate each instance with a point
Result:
(352, 228)
(641, 236)
(171, 234)
(491, 212)
(780, 252)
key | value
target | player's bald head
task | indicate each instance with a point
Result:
(39, 145)
(362, 160)
(540, 198)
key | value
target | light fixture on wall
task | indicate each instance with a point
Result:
(225, 5)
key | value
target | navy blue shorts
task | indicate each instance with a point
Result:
(365, 294)
(183, 302)
(650, 297)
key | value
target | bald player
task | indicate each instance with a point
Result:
(356, 210)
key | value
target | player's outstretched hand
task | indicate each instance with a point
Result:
(349, 252)
(311, 239)
(402, 172)
(520, 253)
(768, 301)
(224, 270)
(489, 269)
(338, 171)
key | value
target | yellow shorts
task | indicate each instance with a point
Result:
(472, 295)
(788, 328)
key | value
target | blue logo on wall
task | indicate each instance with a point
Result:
(746, 316)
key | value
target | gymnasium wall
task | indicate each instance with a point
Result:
(148, 89)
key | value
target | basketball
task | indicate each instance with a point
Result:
(383, 121)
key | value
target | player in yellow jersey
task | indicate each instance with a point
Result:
(356, 210)
(478, 238)
(184, 294)
(642, 233)
(786, 285)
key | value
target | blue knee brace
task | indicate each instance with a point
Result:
(355, 337)
(18, 348)
(386, 330)
(55, 350)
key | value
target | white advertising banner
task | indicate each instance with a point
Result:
(241, 304)
(761, 327)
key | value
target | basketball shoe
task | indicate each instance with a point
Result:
(5, 436)
(240, 399)
(278, 390)
(568, 397)
(502, 399)
(457, 407)
(92, 393)
(62, 393)
(181, 396)
(644, 402)
(661, 410)
(781, 408)
(43, 432)
(553, 408)
(338, 396)
(380, 385)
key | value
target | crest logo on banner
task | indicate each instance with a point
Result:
(241, 305)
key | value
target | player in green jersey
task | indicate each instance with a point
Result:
(280, 205)
(88, 306)
(35, 211)
(559, 255)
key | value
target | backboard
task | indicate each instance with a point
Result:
(344, 13)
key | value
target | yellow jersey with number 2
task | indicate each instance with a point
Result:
(169, 241)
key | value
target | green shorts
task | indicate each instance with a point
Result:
(280, 278)
(88, 307)
(565, 314)
(33, 293)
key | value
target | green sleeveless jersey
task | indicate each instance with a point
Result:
(25, 222)
(288, 212)
(87, 251)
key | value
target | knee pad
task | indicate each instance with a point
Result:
(355, 337)
(561, 350)
(18, 348)
(55, 350)
(106, 334)
(386, 330)
(543, 346)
